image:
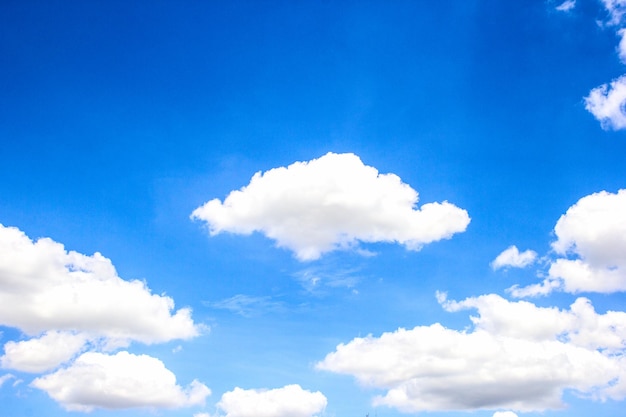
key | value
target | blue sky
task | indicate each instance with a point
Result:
(297, 209)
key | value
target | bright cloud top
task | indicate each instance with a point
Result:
(518, 357)
(123, 380)
(591, 240)
(504, 414)
(512, 258)
(44, 287)
(289, 401)
(331, 203)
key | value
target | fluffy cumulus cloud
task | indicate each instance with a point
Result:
(289, 401)
(123, 380)
(70, 304)
(45, 287)
(43, 353)
(329, 203)
(591, 244)
(512, 258)
(517, 356)
(607, 103)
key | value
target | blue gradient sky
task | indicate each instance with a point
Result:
(119, 119)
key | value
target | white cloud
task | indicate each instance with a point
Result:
(607, 102)
(123, 380)
(616, 9)
(591, 238)
(289, 401)
(504, 414)
(44, 287)
(248, 306)
(4, 378)
(566, 6)
(44, 353)
(330, 203)
(511, 257)
(517, 356)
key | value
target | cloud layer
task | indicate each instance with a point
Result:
(518, 356)
(330, 203)
(289, 401)
(119, 381)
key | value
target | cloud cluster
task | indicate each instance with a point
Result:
(330, 203)
(119, 381)
(517, 356)
(607, 102)
(70, 303)
(289, 401)
(591, 244)
(512, 258)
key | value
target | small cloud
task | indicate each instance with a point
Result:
(314, 280)
(512, 258)
(177, 349)
(566, 6)
(607, 102)
(4, 378)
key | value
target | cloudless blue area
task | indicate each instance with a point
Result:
(118, 119)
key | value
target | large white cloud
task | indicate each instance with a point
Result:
(44, 353)
(289, 401)
(44, 287)
(517, 357)
(591, 240)
(123, 380)
(512, 257)
(607, 102)
(328, 203)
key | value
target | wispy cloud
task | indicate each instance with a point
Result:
(566, 6)
(248, 306)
